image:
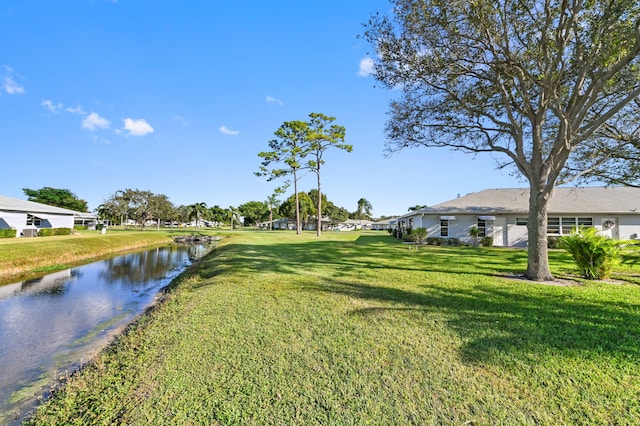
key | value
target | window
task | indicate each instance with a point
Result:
(444, 228)
(32, 220)
(568, 225)
(482, 228)
(585, 221)
(553, 225)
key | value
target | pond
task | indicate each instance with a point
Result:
(52, 325)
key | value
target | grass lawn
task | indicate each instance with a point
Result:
(358, 329)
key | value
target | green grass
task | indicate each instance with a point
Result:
(357, 329)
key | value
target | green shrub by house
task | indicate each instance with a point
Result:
(7, 233)
(595, 255)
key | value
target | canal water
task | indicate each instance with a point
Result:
(52, 325)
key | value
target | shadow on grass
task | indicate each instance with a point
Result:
(492, 320)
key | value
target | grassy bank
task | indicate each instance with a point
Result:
(357, 329)
(28, 256)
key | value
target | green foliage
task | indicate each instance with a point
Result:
(49, 232)
(553, 242)
(595, 255)
(80, 227)
(486, 242)
(420, 236)
(56, 197)
(474, 233)
(7, 233)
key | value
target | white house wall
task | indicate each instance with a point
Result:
(13, 220)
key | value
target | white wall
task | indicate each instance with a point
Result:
(13, 220)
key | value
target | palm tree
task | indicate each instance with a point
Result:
(198, 211)
(364, 209)
(233, 214)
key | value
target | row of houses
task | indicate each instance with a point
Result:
(28, 217)
(503, 214)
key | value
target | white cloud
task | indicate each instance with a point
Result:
(225, 131)
(180, 119)
(51, 106)
(77, 110)
(366, 67)
(138, 127)
(272, 100)
(11, 87)
(93, 121)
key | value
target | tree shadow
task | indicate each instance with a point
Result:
(492, 320)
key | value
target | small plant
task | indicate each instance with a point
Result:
(595, 255)
(486, 242)
(474, 233)
(420, 236)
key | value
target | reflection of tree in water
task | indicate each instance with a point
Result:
(143, 267)
(54, 284)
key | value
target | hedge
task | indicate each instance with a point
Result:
(7, 233)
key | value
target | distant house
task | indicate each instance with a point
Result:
(27, 217)
(503, 214)
(383, 225)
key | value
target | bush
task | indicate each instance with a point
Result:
(595, 255)
(553, 242)
(420, 235)
(81, 227)
(486, 242)
(7, 233)
(48, 232)
(435, 241)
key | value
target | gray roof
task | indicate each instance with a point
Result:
(607, 200)
(9, 204)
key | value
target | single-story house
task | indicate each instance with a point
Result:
(383, 225)
(503, 214)
(27, 217)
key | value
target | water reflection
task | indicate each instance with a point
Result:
(44, 322)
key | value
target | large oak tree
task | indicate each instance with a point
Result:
(532, 80)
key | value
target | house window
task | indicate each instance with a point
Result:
(482, 228)
(444, 228)
(566, 225)
(585, 221)
(522, 221)
(33, 221)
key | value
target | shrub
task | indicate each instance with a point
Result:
(81, 227)
(420, 235)
(48, 232)
(553, 242)
(474, 233)
(595, 255)
(394, 233)
(435, 241)
(486, 242)
(7, 233)
(408, 235)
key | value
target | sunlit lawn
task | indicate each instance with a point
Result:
(358, 329)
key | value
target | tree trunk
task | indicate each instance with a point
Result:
(319, 225)
(538, 259)
(295, 190)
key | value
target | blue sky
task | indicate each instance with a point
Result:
(180, 97)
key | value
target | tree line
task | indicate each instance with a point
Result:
(144, 206)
